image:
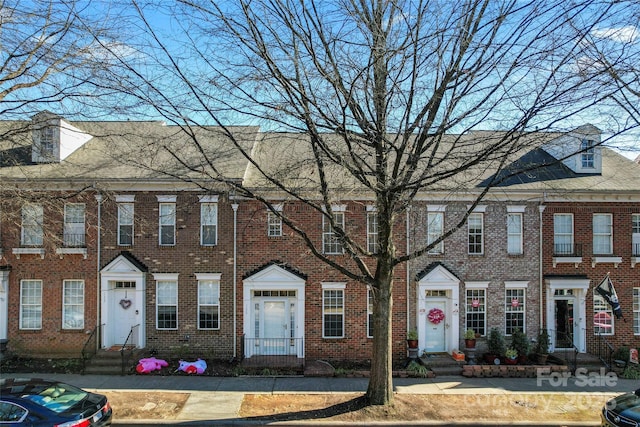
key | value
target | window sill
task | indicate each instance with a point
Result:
(577, 260)
(72, 251)
(615, 260)
(28, 251)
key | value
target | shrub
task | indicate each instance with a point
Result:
(495, 342)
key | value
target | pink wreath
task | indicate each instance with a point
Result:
(435, 316)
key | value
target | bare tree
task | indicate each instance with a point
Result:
(372, 92)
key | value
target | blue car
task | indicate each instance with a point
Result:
(622, 411)
(37, 402)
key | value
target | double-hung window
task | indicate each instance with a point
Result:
(635, 236)
(476, 232)
(125, 220)
(32, 233)
(514, 230)
(602, 316)
(73, 233)
(167, 220)
(73, 304)
(563, 234)
(274, 222)
(208, 220)
(331, 243)
(166, 301)
(515, 309)
(587, 154)
(333, 310)
(208, 301)
(372, 230)
(476, 307)
(602, 234)
(31, 304)
(435, 228)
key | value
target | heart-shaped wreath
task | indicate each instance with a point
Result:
(125, 303)
(435, 316)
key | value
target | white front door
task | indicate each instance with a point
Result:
(435, 332)
(123, 308)
(275, 329)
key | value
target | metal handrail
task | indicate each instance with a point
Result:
(89, 350)
(570, 354)
(125, 354)
(605, 351)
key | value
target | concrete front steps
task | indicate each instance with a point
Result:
(109, 362)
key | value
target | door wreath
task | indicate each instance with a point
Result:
(435, 316)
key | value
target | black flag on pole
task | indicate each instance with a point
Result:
(608, 292)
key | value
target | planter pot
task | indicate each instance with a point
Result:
(491, 359)
(510, 360)
(412, 343)
(470, 343)
(542, 358)
(522, 359)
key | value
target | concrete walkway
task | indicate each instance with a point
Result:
(217, 399)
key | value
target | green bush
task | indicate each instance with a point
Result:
(495, 342)
(520, 342)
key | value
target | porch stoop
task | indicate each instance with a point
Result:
(442, 364)
(107, 362)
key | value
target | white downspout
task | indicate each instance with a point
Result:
(234, 206)
(408, 274)
(98, 261)
(541, 280)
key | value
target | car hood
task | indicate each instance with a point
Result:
(627, 405)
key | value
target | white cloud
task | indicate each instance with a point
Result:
(626, 34)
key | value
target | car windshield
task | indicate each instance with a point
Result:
(58, 397)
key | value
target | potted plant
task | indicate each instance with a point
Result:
(470, 338)
(542, 347)
(412, 338)
(520, 343)
(511, 356)
(495, 347)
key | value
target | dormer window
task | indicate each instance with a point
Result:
(47, 142)
(587, 154)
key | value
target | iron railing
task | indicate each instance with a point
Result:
(128, 348)
(71, 240)
(90, 347)
(275, 350)
(567, 249)
(567, 351)
(604, 351)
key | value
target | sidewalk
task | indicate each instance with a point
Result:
(218, 399)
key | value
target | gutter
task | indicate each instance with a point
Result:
(541, 280)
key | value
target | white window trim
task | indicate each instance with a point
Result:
(439, 248)
(133, 222)
(215, 224)
(608, 310)
(208, 198)
(524, 304)
(371, 210)
(482, 234)
(209, 277)
(572, 234)
(20, 324)
(610, 235)
(38, 224)
(64, 284)
(334, 286)
(160, 224)
(67, 224)
(125, 198)
(520, 233)
(167, 277)
(275, 220)
(332, 233)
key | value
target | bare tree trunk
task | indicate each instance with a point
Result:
(380, 390)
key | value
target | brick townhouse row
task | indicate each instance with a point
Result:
(90, 241)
